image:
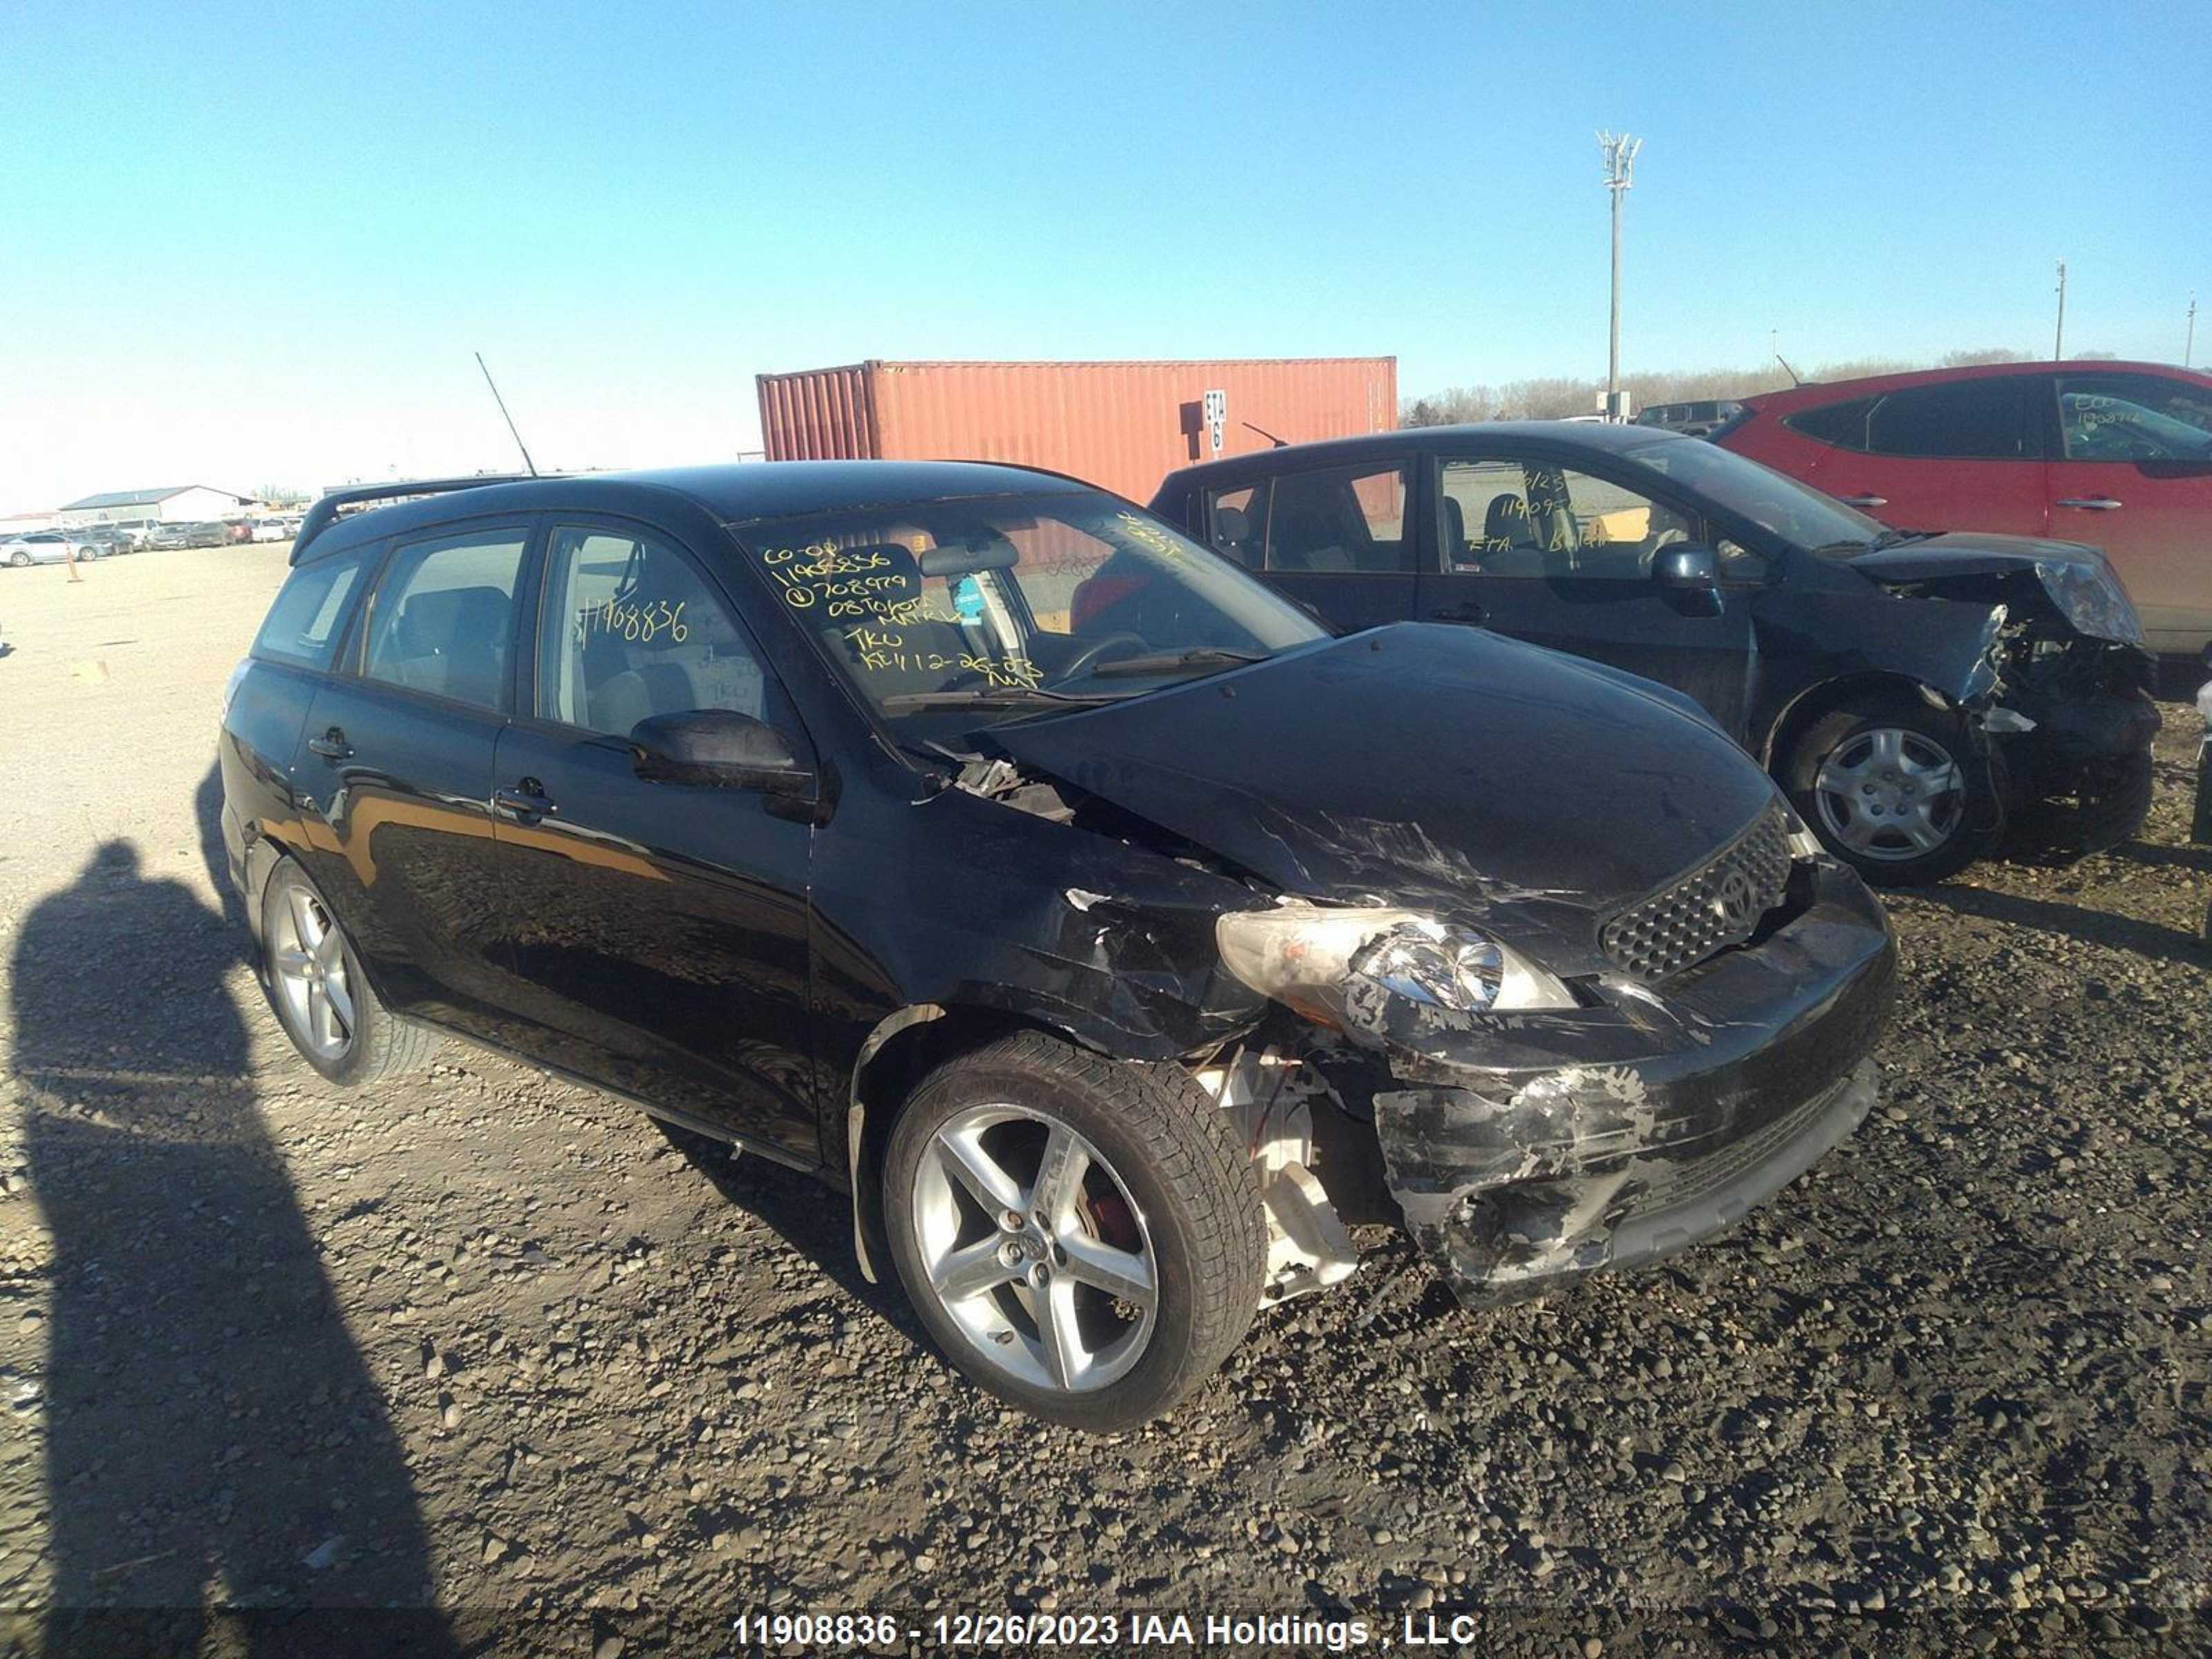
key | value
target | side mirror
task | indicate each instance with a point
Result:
(720, 748)
(1688, 567)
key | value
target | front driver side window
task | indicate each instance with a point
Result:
(1529, 518)
(2134, 417)
(629, 629)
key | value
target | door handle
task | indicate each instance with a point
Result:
(525, 804)
(1863, 501)
(1471, 613)
(331, 746)
(2090, 503)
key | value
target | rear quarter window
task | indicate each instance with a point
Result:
(304, 624)
(1842, 424)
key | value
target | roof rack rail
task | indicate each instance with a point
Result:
(325, 513)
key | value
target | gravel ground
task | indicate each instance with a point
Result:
(493, 1345)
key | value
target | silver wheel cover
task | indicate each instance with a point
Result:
(1034, 1249)
(1889, 794)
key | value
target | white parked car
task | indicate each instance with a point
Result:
(44, 547)
(276, 530)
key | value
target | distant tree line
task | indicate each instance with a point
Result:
(1549, 398)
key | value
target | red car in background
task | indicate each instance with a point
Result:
(2118, 455)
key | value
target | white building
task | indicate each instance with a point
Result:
(178, 504)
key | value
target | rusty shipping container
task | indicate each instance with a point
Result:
(1121, 424)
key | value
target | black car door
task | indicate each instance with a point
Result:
(1566, 557)
(395, 767)
(659, 930)
(1339, 540)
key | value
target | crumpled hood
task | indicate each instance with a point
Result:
(1445, 768)
(1970, 553)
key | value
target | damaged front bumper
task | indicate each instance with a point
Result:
(2071, 747)
(1527, 1150)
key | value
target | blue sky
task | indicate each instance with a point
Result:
(257, 245)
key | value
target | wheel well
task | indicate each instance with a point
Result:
(1831, 695)
(886, 1073)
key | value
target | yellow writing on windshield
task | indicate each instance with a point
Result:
(1149, 536)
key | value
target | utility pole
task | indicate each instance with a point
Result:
(2189, 350)
(1619, 173)
(2058, 346)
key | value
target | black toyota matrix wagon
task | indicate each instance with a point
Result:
(1113, 971)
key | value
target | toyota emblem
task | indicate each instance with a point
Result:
(1736, 903)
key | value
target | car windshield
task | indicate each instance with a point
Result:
(1797, 512)
(949, 615)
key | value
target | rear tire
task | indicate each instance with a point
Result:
(322, 998)
(1154, 1198)
(1892, 787)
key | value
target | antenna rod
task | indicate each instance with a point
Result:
(509, 419)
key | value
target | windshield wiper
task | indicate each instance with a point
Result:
(1892, 537)
(989, 696)
(1159, 662)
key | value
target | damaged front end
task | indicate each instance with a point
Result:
(1542, 1129)
(2064, 692)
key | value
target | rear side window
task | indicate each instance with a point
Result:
(443, 614)
(1960, 420)
(304, 623)
(1346, 519)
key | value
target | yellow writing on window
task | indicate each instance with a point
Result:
(1150, 536)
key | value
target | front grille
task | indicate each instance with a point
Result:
(1718, 904)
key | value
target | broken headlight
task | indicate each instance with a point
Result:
(2091, 597)
(1337, 966)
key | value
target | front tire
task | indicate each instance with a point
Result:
(324, 1001)
(20, 559)
(1890, 786)
(1083, 1237)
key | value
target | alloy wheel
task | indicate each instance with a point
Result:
(1890, 794)
(1034, 1248)
(307, 965)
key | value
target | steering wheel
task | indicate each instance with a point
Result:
(1090, 655)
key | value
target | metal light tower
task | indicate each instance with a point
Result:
(2189, 348)
(1619, 173)
(2058, 345)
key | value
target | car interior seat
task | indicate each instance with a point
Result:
(1233, 534)
(1306, 541)
(428, 640)
(1456, 551)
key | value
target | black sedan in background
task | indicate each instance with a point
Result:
(1915, 695)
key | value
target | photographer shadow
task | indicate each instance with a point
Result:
(220, 1466)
